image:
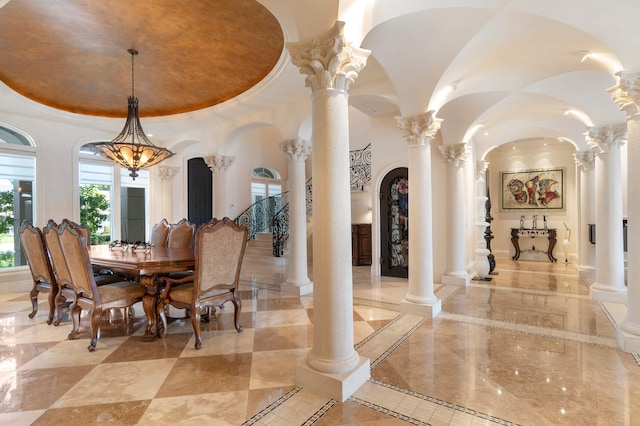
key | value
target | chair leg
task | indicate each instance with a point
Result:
(34, 301)
(195, 321)
(75, 311)
(95, 329)
(60, 299)
(51, 298)
(162, 318)
(237, 304)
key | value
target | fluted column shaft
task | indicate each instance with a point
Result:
(609, 284)
(585, 160)
(456, 271)
(418, 131)
(219, 165)
(331, 65)
(297, 152)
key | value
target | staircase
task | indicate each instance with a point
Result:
(262, 248)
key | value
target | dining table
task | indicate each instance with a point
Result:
(145, 266)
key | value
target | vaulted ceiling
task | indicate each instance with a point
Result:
(495, 71)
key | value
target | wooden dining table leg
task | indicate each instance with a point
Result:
(149, 301)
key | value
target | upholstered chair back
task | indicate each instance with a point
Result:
(34, 248)
(219, 252)
(159, 233)
(76, 255)
(181, 234)
(58, 262)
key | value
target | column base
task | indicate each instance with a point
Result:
(337, 386)
(456, 279)
(430, 310)
(603, 293)
(628, 336)
(586, 271)
(296, 289)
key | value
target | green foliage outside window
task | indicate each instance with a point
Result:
(94, 210)
(6, 225)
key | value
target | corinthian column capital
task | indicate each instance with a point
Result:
(297, 150)
(167, 172)
(626, 93)
(604, 138)
(419, 129)
(455, 155)
(329, 62)
(585, 159)
(218, 163)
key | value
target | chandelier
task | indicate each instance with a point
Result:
(131, 148)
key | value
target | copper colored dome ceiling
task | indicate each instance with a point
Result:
(72, 54)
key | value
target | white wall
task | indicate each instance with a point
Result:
(533, 155)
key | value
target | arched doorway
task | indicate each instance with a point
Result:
(394, 224)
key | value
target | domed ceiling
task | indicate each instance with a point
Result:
(193, 54)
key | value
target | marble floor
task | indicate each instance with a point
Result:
(528, 347)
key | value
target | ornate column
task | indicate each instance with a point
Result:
(219, 165)
(298, 282)
(482, 266)
(331, 65)
(609, 284)
(456, 272)
(166, 173)
(418, 131)
(627, 95)
(585, 161)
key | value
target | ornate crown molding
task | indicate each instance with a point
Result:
(330, 62)
(219, 163)
(297, 150)
(419, 129)
(603, 138)
(455, 155)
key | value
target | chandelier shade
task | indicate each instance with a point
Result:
(131, 148)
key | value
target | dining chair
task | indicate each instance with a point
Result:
(66, 292)
(88, 295)
(42, 274)
(220, 246)
(181, 234)
(102, 276)
(159, 234)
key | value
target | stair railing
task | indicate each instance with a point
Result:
(257, 217)
(280, 227)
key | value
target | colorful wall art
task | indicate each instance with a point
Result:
(535, 189)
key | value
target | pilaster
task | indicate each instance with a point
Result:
(219, 165)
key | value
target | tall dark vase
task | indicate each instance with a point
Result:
(488, 235)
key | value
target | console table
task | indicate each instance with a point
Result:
(550, 233)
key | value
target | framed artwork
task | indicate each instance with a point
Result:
(535, 189)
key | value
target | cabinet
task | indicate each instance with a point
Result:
(361, 244)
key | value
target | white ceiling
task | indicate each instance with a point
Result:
(518, 66)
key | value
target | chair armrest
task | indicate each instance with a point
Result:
(168, 282)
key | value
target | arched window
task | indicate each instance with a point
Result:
(17, 191)
(265, 185)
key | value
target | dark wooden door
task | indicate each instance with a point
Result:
(394, 224)
(200, 186)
